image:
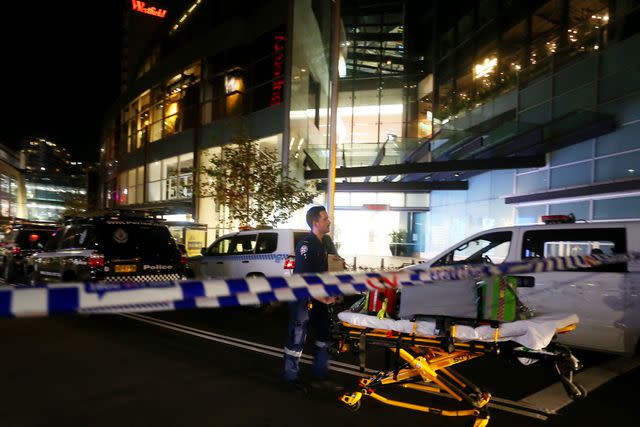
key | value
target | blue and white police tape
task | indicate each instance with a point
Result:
(64, 298)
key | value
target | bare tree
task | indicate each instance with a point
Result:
(249, 182)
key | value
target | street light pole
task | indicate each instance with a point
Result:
(334, 75)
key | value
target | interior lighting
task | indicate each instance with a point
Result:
(184, 16)
(233, 83)
(485, 68)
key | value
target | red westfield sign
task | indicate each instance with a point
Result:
(278, 70)
(140, 6)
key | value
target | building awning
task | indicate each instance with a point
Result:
(508, 144)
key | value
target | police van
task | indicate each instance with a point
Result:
(113, 246)
(253, 252)
(606, 298)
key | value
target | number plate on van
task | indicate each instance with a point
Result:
(125, 268)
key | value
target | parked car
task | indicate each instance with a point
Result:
(606, 298)
(23, 240)
(118, 246)
(265, 252)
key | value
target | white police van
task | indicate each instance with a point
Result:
(255, 252)
(606, 298)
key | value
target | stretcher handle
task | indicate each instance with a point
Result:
(443, 321)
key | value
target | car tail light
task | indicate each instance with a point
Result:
(16, 250)
(290, 263)
(96, 261)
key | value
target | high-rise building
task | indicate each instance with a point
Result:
(12, 190)
(54, 182)
(449, 120)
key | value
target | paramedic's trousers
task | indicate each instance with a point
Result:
(299, 318)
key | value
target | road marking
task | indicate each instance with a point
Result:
(554, 398)
(249, 345)
(525, 409)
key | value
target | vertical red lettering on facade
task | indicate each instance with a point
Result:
(278, 70)
(140, 6)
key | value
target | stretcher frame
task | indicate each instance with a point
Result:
(425, 364)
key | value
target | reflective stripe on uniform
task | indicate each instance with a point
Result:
(321, 344)
(292, 353)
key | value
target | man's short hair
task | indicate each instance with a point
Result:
(313, 214)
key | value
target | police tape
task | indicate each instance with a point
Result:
(64, 298)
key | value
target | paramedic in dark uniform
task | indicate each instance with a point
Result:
(311, 257)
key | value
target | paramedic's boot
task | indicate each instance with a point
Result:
(326, 385)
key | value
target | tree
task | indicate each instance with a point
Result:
(248, 180)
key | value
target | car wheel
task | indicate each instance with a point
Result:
(8, 273)
(33, 278)
(258, 307)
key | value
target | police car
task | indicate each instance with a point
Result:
(23, 240)
(606, 298)
(117, 246)
(253, 252)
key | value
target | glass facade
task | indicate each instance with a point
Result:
(417, 83)
(530, 43)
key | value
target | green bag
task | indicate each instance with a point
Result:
(499, 301)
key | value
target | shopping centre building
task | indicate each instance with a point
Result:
(448, 121)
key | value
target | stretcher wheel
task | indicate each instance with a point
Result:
(355, 407)
(579, 393)
(574, 390)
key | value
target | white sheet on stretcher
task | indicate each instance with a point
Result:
(535, 333)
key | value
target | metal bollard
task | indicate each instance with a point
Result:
(355, 265)
(381, 263)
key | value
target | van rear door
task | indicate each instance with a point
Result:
(596, 295)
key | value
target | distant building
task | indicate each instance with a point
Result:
(53, 181)
(12, 188)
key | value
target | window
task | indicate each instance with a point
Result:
(220, 247)
(581, 241)
(488, 248)
(71, 238)
(53, 243)
(244, 244)
(267, 243)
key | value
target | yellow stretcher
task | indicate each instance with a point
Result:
(424, 363)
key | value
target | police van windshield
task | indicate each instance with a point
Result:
(489, 248)
(126, 241)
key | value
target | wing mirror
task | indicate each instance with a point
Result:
(203, 251)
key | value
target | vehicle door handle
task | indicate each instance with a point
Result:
(219, 262)
(245, 262)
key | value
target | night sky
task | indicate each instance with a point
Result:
(60, 71)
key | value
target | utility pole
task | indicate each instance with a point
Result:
(334, 75)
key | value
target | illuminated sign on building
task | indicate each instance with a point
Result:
(140, 6)
(278, 70)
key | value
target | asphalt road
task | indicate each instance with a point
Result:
(189, 368)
